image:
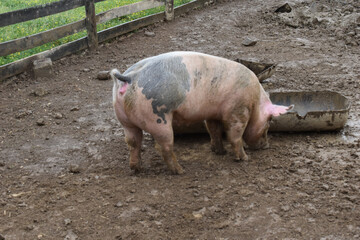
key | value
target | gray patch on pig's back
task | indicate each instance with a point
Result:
(165, 80)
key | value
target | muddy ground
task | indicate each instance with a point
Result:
(64, 171)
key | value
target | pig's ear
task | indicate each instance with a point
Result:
(277, 110)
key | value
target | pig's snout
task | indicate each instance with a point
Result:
(260, 144)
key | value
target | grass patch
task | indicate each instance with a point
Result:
(19, 30)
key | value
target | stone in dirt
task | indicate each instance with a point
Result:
(222, 225)
(74, 168)
(286, 8)
(58, 115)
(71, 235)
(149, 34)
(40, 122)
(39, 92)
(22, 113)
(42, 68)
(285, 208)
(249, 41)
(67, 221)
(29, 228)
(103, 75)
(73, 109)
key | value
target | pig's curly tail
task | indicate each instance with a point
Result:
(116, 75)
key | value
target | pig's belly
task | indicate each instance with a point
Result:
(192, 116)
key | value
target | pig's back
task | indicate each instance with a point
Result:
(217, 84)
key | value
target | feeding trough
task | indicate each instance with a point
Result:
(313, 111)
(261, 70)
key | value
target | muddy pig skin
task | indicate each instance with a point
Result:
(180, 88)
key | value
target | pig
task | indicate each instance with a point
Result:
(182, 88)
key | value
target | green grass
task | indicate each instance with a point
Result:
(46, 23)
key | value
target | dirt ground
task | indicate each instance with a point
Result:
(64, 170)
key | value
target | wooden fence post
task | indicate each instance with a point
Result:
(169, 10)
(91, 24)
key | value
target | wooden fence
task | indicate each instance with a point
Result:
(89, 23)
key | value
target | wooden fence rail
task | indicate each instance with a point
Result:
(89, 23)
(27, 14)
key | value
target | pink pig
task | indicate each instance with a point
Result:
(181, 88)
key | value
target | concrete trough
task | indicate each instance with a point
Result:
(313, 111)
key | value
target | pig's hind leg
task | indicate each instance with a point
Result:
(215, 129)
(133, 137)
(235, 126)
(164, 137)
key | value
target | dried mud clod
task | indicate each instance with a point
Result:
(103, 75)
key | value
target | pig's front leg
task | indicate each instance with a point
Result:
(235, 126)
(215, 129)
(235, 137)
(133, 137)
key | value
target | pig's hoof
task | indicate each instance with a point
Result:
(218, 151)
(137, 170)
(267, 146)
(135, 167)
(178, 171)
(240, 159)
